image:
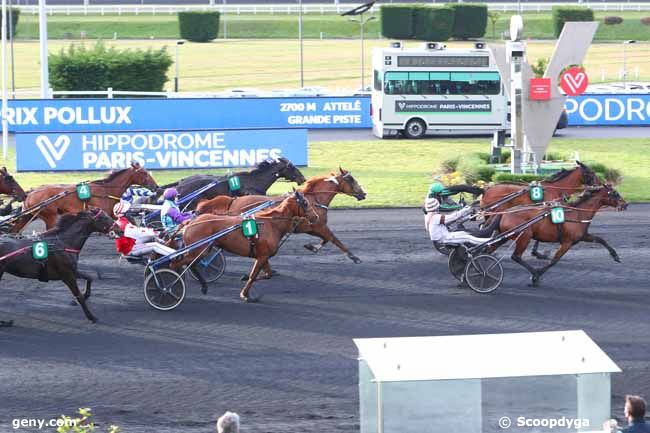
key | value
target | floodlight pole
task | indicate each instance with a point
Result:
(625, 43)
(42, 27)
(362, 24)
(5, 132)
(10, 23)
(302, 64)
(176, 76)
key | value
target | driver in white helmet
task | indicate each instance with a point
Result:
(136, 241)
(436, 222)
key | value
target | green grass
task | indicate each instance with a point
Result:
(398, 172)
(283, 26)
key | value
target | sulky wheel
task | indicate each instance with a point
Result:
(457, 262)
(442, 248)
(484, 273)
(164, 289)
(211, 266)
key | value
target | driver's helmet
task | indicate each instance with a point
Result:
(436, 189)
(431, 204)
(121, 208)
(170, 193)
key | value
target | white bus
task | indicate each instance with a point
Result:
(434, 88)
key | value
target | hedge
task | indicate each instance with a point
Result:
(397, 21)
(517, 177)
(198, 26)
(470, 20)
(99, 68)
(612, 20)
(563, 14)
(15, 15)
(432, 24)
(645, 21)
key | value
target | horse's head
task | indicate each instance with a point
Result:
(286, 170)
(101, 222)
(349, 185)
(140, 176)
(8, 185)
(589, 177)
(304, 208)
(613, 198)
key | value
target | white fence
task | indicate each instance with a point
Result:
(275, 9)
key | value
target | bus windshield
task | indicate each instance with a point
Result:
(442, 83)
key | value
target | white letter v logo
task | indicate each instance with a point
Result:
(53, 152)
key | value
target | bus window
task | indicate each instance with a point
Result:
(442, 83)
(377, 80)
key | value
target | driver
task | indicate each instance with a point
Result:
(170, 215)
(136, 241)
(436, 222)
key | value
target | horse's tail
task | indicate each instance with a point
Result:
(471, 189)
(491, 225)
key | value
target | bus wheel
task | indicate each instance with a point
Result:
(415, 128)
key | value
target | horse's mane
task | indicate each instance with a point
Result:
(266, 165)
(65, 222)
(585, 196)
(559, 175)
(112, 175)
(311, 182)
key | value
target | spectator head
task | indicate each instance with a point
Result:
(228, 423)
(634, 407)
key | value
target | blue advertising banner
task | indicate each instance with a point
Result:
(158, 150)
(609, 110)
(90, 115)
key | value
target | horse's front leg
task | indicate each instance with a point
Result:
(588, 237)
(71, 282)
(324, 232)
(535, 253)
(520, 249)
(564, 247)
(257, 267)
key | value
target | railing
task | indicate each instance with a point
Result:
(275, 9)
(110, 94)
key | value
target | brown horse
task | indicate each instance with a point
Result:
(104, 194)
(561, 185)
(319, 190)
(273, 225)
(578, 216)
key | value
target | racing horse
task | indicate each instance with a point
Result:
(256, 181)
(274, 224)
(64, 244)
(579, 215)
(559, 186)
(319, 190)
(10, 187)
(104, 194)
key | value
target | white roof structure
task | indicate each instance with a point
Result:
(483, 356)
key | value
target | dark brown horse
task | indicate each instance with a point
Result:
(104, 194)
(319, 190)
(273, 225)
(9, 186)
(578, 217)
(64, 244)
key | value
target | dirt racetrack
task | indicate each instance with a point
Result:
(288, 364)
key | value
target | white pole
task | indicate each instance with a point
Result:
(42, 26)
(5, 132)
(302, 69)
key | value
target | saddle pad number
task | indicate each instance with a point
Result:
(233, 183)
(537, 193)
(39, 250)
(83, 191)
(557, 215)
(249, 228)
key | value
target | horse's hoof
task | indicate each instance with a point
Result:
(244, 278)
(617, 259)
(534, 281)
(6, 323)
(354, 258)
(311, 248)
(73, 303)
(93, 320)
(204, 290)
